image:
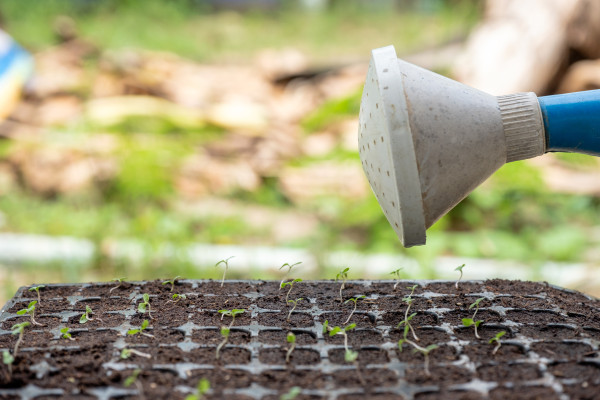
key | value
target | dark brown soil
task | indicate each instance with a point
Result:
(549, 350)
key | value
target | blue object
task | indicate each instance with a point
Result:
(572, 122)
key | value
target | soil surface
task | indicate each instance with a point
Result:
(549, 348)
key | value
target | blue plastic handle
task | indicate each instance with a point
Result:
(572, 122)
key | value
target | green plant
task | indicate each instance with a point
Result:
(355, 301)
(171, 282)
(292, 394)
(225, 262)
(343, 276)
(202, 388)
(132, 379)
(289, 266)
(37, 290)
(145, 305)
(226, 330)
(30, 310)
(291, 285)
(295, 302)
(126, 353)
(7, 358)
(425, 351)
(459, 269)
(176, 298)
(291, 339)
(471, 321)
(396, 273)
(119, 283)
(65, 333)
(85, 317)
(349, 355)
(140, 330)
(407, 318)
(496, 339)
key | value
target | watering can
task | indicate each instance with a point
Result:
(426, 141)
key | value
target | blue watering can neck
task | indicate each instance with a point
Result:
(572, 122)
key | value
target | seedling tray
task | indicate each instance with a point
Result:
(549, 351)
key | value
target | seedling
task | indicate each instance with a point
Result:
(287, 273)
(37, 290)
(425, 351)
(225, 262)
(396, 273)
(459, 269)
(295, 303)
(471, 321)
(226, 330)
(291, 339)
(292, 394)
(145, 305)
(355, 301)
(291, 285)
(342, 276)
(85, 317)
(66, 334)
(140, 330)
(119, 283)
(202, 388)
(407, 318)
(126, 353)
(349, 355)
(171, 282)
(132, 379)
(30, 310)
(496, 339)
(8, 360)
(176, 298)
(18, 329)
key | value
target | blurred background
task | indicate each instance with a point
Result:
(155, 138)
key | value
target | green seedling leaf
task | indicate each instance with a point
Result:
(88, 310)
(291, 338)
(125, 353)
(7, 358)
(142, 307)
(460, 268)
(83, 319)
(132, 332)
(18, 328)
(468, 322)
(335, 330)
(225, 332)
(203, 386)
(65, 333)
(476, 303)
(350, 356)
(292, 394)
(146, 297)
(325, 326)
(236, 312)
(477, 323)
(427, 349)
(132, 378)
(497, 337)
(349, 327)
(400, 343)
(145, 324)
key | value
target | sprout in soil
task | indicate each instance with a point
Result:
(406, 322)
(459, 269)
(225, 262)
(425, 351)
(126, 353)
(8, 360)
(292, 394)
(349, 355)
(295, 302)
(140, 330)
(30, 310)
(202, 388)
(226, 330)
(396, 273)
(342, 276)
(471, 321)
(132, 379)
(497, 340)
(291, 285)
(65, 333)
(145, 305)
(289, 267)
(85, 317)
(291, 339)
(37, 290)
(119, 283)
(355, 301)
(171, 282)
(177, 297)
